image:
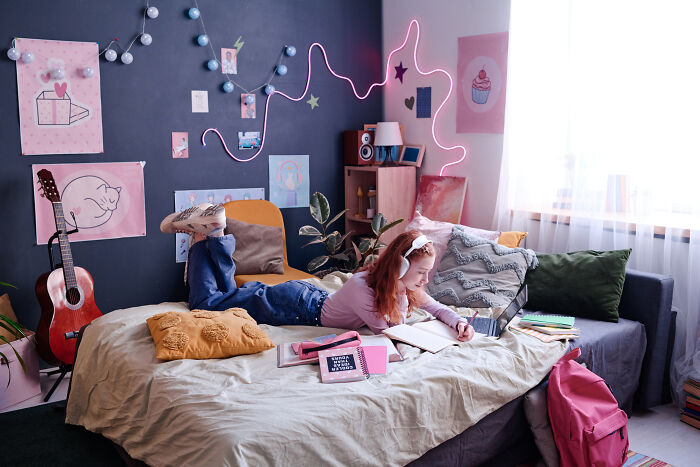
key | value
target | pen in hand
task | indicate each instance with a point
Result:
(472, 319)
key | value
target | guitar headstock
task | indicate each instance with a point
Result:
(48, 185)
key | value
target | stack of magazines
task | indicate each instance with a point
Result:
(548, 328)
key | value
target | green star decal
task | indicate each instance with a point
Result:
(313, 102)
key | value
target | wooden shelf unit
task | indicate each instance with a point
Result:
(396, 196)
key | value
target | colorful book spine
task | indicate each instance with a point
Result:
(549, 320)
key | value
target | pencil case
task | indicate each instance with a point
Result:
(310, 349)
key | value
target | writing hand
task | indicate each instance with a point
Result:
(466, 332)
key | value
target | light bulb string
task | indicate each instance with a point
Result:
(228, 76)
(143, 31)
(354, 90)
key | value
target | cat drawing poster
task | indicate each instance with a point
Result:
(102, 200)
(58, 93)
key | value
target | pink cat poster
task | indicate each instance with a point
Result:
(481, 83)
(59, 97)
(103, 200)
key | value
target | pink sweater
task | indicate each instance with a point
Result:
(352, 307)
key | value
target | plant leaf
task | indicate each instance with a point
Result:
(314, 241)
(333, 242)
(365, 245)
(14, 327)
(7, 285)
(337, 216)
(317, 262)
(388, 226)
(341, 257)
(378, 221)
(5, 361)
(319, 207)
(19, 357)
(358, 255)
(309, 230)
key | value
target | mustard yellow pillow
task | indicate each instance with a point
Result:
(200, 334)
(511, 239)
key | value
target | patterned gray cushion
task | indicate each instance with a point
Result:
(479, 273)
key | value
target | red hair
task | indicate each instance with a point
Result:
(383, 276)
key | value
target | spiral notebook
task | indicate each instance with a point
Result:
(351, 363)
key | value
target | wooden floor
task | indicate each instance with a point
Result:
(656, 433)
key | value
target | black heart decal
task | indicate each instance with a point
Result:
(409, 102)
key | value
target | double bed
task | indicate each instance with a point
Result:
(459, 406)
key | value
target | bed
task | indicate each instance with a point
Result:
(460, 406)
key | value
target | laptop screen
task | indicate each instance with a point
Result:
(512, 309)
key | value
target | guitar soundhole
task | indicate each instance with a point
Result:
(73, 296)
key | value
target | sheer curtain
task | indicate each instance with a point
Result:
(600, 147)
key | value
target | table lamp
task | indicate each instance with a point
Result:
(388, 134)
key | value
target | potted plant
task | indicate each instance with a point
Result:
(17, 351)
(368, 248)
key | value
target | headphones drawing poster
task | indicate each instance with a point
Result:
(289, 181)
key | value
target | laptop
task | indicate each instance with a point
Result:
(495, 326)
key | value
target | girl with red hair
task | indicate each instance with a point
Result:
(379, 296)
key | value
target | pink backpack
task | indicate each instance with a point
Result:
(589, 427)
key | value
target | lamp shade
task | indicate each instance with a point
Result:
(388, 134)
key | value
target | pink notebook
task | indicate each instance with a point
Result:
(376, 358)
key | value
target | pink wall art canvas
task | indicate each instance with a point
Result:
(481, 86)
(103, 200)
(441, 198)
(59, 102)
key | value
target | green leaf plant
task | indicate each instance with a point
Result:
(350, 259)
(16, 330)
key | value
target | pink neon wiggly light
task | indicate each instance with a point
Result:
(354, 90)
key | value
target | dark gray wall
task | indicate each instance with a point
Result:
(143, 102)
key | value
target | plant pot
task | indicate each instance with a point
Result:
(23, 385)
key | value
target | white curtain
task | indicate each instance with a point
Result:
(600, 147)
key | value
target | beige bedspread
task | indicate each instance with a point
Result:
(246, 411)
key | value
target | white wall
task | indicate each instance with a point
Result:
(442, 22)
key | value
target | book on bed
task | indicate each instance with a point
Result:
(287, 354)
(343, 365)
(432, 336)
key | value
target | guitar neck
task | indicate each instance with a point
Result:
(66, 255)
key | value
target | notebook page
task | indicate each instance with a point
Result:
(417, 337)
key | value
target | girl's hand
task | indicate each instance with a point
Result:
(466, 332)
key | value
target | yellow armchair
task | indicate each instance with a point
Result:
(262, 212)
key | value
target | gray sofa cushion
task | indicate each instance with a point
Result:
(479, 273)
(259, 248)
(535, 406)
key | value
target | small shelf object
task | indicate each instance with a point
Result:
(392, 192)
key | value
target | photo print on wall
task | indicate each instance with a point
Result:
(59, 104)
(289, 181)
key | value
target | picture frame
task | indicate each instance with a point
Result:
(412, 154)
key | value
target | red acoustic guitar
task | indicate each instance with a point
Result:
(66, 294)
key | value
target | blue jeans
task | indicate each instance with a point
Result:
(212, 287)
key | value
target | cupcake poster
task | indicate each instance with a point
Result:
(481, 92)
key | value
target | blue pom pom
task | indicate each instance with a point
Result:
(282, 70)
(269, 89)
(202, 40)
(213, 65)
(193, 13)
(227, 87)
(249, 99)
(290, 51)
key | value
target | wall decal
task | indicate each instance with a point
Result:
(289, 181)
(408, 102)
(423, 102)
(313, 102)
(104, 200)
(400, 70)
(481, 96)
(188, 198)
(200, 101)
(59, 105)
(180, 145)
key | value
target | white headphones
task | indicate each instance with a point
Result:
(419, 242)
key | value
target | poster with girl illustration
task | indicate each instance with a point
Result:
(103, 200)
(481, 86)
(58, 92)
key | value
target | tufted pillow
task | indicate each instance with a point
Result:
(201, 334)
(259, 248)
(439, 233)
(479, 273)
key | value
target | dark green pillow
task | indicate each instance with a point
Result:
(583, 283)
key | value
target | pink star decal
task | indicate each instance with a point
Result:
(400, 70)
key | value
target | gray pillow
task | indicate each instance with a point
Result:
(259, 248)
(535, 406)
(479, 273)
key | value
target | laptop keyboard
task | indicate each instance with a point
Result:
(482, 325)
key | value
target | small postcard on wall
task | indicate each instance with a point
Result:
(200, 101)
(228, 61)
(249, 139)
(179, 145)
(247, 105)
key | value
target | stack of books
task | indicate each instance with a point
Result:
(548, 328)
(690, 414)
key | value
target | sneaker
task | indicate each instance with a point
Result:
(200, 220)
(167, 226)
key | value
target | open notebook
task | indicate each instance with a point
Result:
(432, 336)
